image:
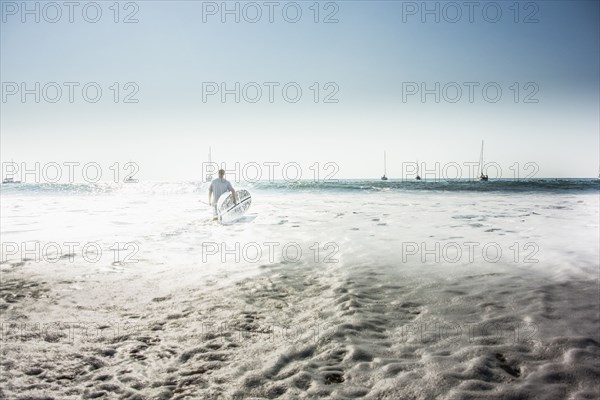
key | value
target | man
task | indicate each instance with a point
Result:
(217, 188)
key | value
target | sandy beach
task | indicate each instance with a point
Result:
(373, 321)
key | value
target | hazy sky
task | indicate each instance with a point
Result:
(372, 60)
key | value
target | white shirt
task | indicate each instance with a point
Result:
(218, 187)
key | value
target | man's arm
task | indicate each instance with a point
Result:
(210, 196)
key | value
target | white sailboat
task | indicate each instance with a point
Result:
(384, 177)
(10, 179)
(418, 176)
(208, 177)
(130, 178)
(482, 176)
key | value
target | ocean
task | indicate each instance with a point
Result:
(339, 289)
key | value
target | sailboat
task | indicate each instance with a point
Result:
(418, 176)
(130, 178)
(384, 177)
(208, 177)
(482, 176)
(10, 179)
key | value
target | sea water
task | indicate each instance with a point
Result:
(345, 289)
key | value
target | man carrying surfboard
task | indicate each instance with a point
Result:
(217, 188)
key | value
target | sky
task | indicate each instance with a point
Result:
(369, 73)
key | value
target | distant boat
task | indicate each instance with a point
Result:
(418, 176)
(10, 180)
(384, 177)
(482, 176)
(130, 178)
(208, 177)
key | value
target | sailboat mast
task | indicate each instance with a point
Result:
(481, 159)
(208, 176)
(384, 165)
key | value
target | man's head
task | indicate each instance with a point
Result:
(221, 173)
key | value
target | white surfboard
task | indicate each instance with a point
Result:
(227, 211)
